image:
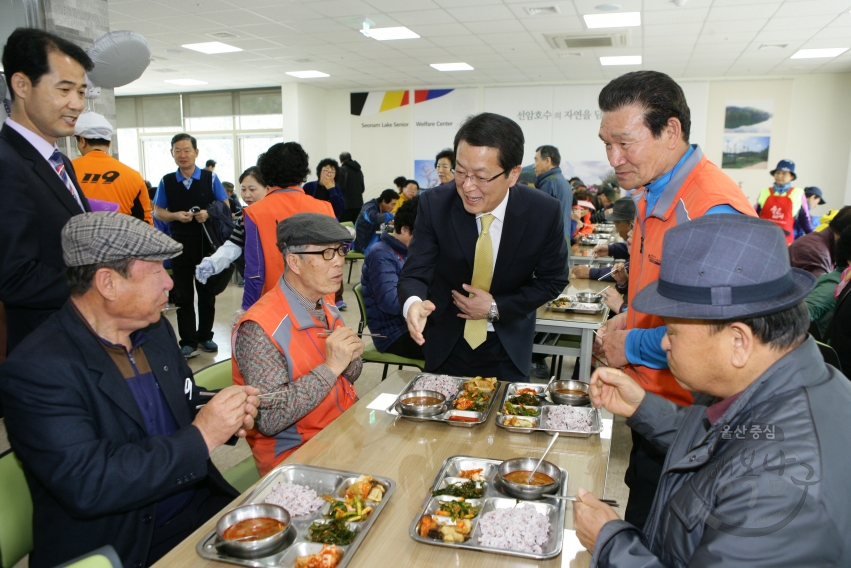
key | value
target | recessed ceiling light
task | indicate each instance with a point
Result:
(816, 53)
(212, 47)
(308, 74)
(621, 60)
(607, 7)
(460, 66)
(618, 20)
(185, 82)
(386, 34)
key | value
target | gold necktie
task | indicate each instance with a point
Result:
(476, 331)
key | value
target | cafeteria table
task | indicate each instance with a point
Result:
(561, 323)
(368, 440)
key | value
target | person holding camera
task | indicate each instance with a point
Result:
(183, 200)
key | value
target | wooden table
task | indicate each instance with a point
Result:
(411, 453)
(584, 325)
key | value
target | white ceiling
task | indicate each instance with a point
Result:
(703, 38)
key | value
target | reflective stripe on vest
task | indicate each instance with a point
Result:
(295, 333)
(698, 186)
(278, 205)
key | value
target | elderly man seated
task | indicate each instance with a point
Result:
(102, 411)
(292, 343)
(755, 471)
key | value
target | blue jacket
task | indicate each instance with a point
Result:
(381, 269)
(368, 222)
(334, 196)
(552, 183)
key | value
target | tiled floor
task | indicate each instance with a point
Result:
(229, 301)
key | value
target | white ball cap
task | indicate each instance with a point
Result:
(93, 125)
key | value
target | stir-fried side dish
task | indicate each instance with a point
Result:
(328, 557)
(473, 400)
(533, 392)
(334, 531)
(516, 422)
(516, 410)
(527, 399)
(474, 474)
(459, 532)
(366, 488)
(459, 509)
(480, 384)
(469, 490)
(353, 509)
(561, 302)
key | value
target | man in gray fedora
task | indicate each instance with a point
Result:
(755, 471)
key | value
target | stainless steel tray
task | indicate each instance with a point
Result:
(541, 419)
(481, 417)
(324, 482)
(594, 241)
(604, 228)
(492, 499)
(576, 307)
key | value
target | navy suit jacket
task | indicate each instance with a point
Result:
(94, 473)
(531, 267)
(35, 208)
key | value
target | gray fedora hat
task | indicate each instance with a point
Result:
(720, 267)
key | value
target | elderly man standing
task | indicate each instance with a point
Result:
(645, 127)
(102, 410)
(292, 342)
(551, 181)
(756, 469)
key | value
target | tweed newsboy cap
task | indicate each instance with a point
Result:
(720, 267)
(93, 238)
(310, 229)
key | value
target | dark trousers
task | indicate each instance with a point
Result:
(185, 286)
(405, 346)
(350, 215)
(642, 477)
(203, 506)
(490, 359)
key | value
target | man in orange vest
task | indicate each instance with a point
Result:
(293, 342)
(284, 167)
(645, 128)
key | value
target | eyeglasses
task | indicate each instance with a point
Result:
(328, 254)
(478, 181)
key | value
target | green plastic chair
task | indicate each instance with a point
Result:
(103, 557)
(351, 256)
(373, 355)
(16, 511)
(243, 475)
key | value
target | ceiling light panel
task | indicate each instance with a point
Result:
(185, 82)
(614, 20)
(308, 74)
(819, 53)
(460, 66)
(388, 34)
(212, 47)
(621, 60)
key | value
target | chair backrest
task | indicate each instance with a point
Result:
(216, 376)
(829, 355)
(348, 224)
(358, 290)
(103, 557)
(16, 512)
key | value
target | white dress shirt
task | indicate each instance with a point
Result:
(495, 233)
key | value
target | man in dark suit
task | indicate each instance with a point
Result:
(46, 77)
(102, 411)
(485, 255)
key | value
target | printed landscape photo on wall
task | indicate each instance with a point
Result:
(742, 120)
(746, 152)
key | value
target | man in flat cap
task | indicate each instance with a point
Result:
(293, 342)
(103, 177)
(755, 472)
(102, 410)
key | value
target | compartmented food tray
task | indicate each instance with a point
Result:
(324, 482)
(566, 303)
(465, 418)
(544, 411)
(487, 538)
(595, 240)
(604, 228)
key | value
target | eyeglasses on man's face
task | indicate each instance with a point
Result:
(328, 254)
(478, 181)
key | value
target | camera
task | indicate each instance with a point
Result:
(195, 209)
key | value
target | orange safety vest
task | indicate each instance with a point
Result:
(697, 187)
(103, 177)
(296, 335)
(279, 204)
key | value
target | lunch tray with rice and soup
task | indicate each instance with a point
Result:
(327, 515)
(468, 508)
(457, 401)
(527, 408)
(570, 303)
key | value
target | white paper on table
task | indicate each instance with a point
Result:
(606, 434)
(383, 401)
(571, 548)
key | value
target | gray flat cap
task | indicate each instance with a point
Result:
(93, 238)
(622, 210)
(720, 267)
(310, 229)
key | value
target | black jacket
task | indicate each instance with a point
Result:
(350, 180)
(94, 473)
(531, 267)
(37, 206)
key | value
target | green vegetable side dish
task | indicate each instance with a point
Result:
(334, 531)
(468, 490)
(520, 410)
(457, 510)
(527, 399)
